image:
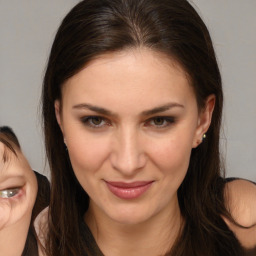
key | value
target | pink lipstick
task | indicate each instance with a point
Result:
(129, 190)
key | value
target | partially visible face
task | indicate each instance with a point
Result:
(18, 187)
(130, 120)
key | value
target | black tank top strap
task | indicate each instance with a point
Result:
(229, 179)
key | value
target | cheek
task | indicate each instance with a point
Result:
(171, 157)
(172, 153)
(87, 155)
(5, 212)
(14, 209)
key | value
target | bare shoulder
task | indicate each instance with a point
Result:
(41, 228)
(241, 201)
(240, 197)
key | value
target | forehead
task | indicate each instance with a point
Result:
(131, 75)
(6, 154)
(12, 163)
(5, 157)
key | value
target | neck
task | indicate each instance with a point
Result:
(154, 236)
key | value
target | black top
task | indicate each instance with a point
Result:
(231, 179)
(42, 201)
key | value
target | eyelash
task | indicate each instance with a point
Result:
(88, 121)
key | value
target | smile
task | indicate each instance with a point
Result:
(128, 190)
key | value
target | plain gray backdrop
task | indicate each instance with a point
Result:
(27, 29)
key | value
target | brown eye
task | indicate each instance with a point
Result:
(159, 121)
(96, 120)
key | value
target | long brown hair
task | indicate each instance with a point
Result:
(173, 27)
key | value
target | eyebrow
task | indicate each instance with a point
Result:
(149, 112)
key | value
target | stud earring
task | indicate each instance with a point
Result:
(201, 140)
(65, 143)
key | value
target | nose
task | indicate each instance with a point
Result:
(127, 154)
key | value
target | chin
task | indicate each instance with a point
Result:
(129, 215)
(129, 220)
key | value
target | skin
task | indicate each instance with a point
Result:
(15, 212)
(130, 145)
(240, 198)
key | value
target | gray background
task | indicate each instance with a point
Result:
(27, 28)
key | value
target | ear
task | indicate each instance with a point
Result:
(204, 120)
(58, 113)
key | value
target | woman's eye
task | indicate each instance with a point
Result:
(95, 121)
(100, 122)
(8, 193)
(161, 122)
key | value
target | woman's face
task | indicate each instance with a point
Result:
(130, 120)
(18, 188)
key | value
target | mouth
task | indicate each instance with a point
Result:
(131, 190)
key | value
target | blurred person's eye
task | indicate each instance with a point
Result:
(8, 193)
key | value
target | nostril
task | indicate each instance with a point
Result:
(128, 164)
(127, 152)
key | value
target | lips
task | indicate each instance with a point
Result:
(131, 190)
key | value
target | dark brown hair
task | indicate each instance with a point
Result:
(9, 139)
(172, 27)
